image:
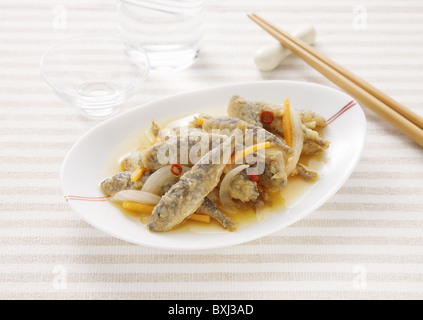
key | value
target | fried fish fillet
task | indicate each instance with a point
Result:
(228, 125)
(250, 112)
(184, 149)
(187, 195)
(122, 181)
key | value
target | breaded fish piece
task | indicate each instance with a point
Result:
(308, 176)
(311, 119)
(186, 196)
(313, 142)
(242, 109)
(250, 112)
(243, 188)
(274, 177)
(228, 124)
(208, 208)
(179, 149)
(132, 160)
(167, 133)
(122, 181)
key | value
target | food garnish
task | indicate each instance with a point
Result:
(266, 116)
(217, 166)
(176, 169)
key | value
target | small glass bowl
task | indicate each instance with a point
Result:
(94, 73)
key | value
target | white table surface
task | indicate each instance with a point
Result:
(366, 242)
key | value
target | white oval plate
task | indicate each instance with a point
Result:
(83, 167)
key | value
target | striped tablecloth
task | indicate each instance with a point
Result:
(366, 242)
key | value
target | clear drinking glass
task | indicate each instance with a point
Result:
(94, 73)
(170, 31)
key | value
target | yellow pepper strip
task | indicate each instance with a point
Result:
(200, 121)
(137, 174)
(287, 124)
(138, 207)
(243, 153)
(148, 209)
(199, 217)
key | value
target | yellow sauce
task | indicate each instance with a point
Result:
(295, 190)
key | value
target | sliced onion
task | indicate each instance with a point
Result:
(161, 178)
(136, 196)
(225, 200)
(297, 142)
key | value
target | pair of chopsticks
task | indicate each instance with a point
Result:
(387, 108)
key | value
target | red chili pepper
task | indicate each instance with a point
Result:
(266, 116)
(253, 177)
(176, 167)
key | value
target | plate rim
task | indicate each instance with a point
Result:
(339, 183)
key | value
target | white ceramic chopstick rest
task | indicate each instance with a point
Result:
(269, 57)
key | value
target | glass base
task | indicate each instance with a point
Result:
(98, 99)
(166, 58)
(98, 113)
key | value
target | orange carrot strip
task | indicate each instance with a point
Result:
(244, 152)
(287, 124)
(199, 217)
(138, 207)
(137, 174)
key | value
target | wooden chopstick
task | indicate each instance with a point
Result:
(393, 112)
(354, 78)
